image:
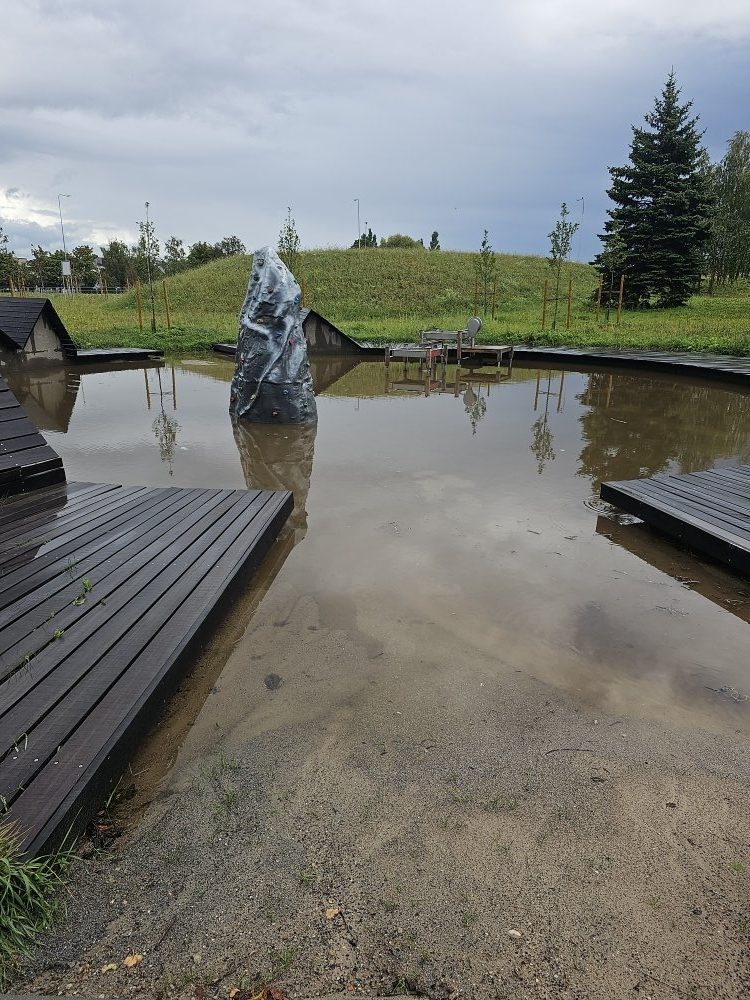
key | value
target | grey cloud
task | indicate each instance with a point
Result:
(436, 115)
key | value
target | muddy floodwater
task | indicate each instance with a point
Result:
(468, 734)
(472, 505)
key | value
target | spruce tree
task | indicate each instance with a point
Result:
(661, 206)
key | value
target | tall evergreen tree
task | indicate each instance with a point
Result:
(661, 206)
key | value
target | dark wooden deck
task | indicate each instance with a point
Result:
(103, 355)
(698, 364)
(106, 593)
(26, 460)
(706, 511)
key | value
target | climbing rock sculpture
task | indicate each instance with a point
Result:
(272, 381)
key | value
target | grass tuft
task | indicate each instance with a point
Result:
(28, 898)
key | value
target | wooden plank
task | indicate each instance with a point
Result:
(93, 514)
(31, 514)
(721, 505)
(674, 501)
(17, 640)
(142, 689)
(63, 664)
(56, 577)
(708, 511)
(74, 547)
(51, 709)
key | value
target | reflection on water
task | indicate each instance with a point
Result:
(278, 457)
(164, 426)
(47, 393)
(541, 432)
(636, 427)
(453, 514)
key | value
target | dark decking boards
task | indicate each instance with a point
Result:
(26, 460)
(698, 364)
(98, 355)
(106, 593)
(706, 511)
(161, 563)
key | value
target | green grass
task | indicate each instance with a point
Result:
(390, 295)
(28, 899)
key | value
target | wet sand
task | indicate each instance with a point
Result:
(463, 708)
(439, 799)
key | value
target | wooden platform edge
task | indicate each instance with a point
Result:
(688, 534)
(102, 774)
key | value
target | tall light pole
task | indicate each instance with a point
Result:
(580, 228)
(64, 268)
(148, 272)
(359, 231)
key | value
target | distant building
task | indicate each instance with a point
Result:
(33, 328)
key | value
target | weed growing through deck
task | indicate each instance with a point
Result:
(28, 898)
(58, 633)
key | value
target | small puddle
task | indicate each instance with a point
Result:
(437, 526)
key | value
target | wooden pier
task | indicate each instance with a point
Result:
(106, 595)
(705, 511)
(26, 460)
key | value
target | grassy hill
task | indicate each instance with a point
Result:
(389, 295)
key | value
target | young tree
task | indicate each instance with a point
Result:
(661, 205)
(560, 243)
(434, 241)
(367, 240)
(7, 259)
(201, 253)
(728, 255)
(231, 246)
(289, 242)
(174, 255)
(118, 264)
(83, 266)
(398, 241)
(146, 253)
(485, 266)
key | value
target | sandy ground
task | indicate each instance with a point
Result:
(372, 802)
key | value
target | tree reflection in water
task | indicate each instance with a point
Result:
(634, 426)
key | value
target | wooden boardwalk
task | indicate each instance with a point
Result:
(106, 595)
(698, 364)
(26, 460)
(706, 511)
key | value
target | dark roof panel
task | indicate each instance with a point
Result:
(17, 319)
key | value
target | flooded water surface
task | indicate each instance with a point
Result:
(458, 512)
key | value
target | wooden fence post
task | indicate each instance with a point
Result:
(599, 298)
(494, 293)
(619, 298)
(544, 304)
(138, 303)
(166, 302)
(570, 303)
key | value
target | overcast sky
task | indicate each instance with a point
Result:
(453, 116)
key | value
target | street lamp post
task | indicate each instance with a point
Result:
(65, 269)
(359, 230)
(580, 228)
(148, 272)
